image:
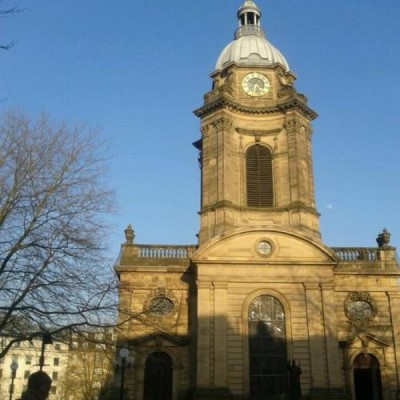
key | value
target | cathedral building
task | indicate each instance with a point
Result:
(260, 307)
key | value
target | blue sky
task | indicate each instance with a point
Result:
(137, 69)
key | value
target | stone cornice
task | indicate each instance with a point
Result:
(228, 204)
(295, 103)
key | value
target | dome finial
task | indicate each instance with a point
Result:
(250, 46)
(249, 16)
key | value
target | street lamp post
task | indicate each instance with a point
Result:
(46, 339)
(14, 367)
(123, 354)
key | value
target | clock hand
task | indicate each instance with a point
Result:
(256, 88)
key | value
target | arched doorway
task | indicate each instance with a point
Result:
(158, 377)
(367, 378)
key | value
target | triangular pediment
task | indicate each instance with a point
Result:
(365, 340)
(160, 339)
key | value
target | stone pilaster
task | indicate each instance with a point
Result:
(204, 313)
(220, 333)
(315, 334)
(332, 345)
(394, 302)
(292, 125)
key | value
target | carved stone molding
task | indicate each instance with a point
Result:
(291, 124)
(364, 341)
(286, 84)
(258, 133)
(222, 124)
(161, 307)
(224, 102)
(204, 129)
(286, 91)
(360, 309)
(306, 130)
(285, 79)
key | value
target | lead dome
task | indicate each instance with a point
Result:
(250, 46)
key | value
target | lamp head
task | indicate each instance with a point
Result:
(14, 365)
(124, 353)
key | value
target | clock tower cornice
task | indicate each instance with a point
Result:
(296, 103)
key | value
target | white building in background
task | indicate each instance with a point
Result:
(27, 355)
(79, 367)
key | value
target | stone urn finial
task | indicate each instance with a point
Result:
(383, 238)
(129, 234)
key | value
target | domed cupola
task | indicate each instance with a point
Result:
(250, 47)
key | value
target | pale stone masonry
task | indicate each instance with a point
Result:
(223, 318)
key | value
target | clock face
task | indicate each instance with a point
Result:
(255, 84)
(263, 248)
(359, 310)
(161, 306)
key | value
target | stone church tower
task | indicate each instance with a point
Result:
(260, 298)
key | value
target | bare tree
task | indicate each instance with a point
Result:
(53, 271)
(90, 367)
(5, 12)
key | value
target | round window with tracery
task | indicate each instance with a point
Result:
(161, 306)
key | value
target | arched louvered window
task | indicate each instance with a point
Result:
(259, 183)
(267, 349)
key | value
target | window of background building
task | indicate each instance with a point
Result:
(54, 376)
(56, 361)
(57, 346)
(28, 360)
(26, 374)
(53, 389)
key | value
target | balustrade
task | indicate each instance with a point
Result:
(356, 253)
(170, 251)
(167, 251)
